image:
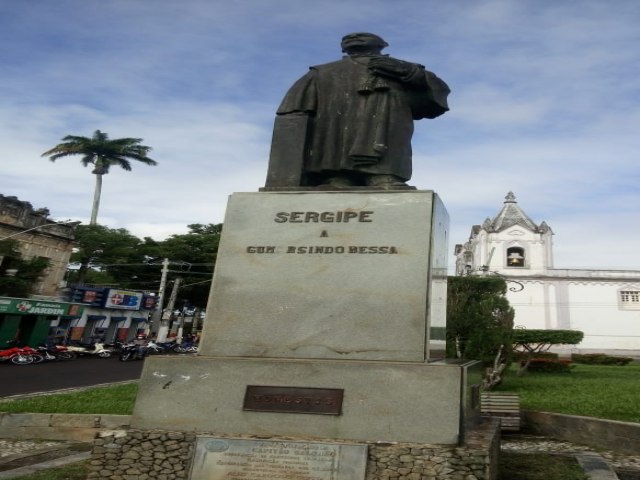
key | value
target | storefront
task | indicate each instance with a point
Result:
(111, 314)
(29, 321)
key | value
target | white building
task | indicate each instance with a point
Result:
(604, 304)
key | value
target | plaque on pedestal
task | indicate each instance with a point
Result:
(234, 459)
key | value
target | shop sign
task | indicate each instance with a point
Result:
(123, 299)
(22, 306)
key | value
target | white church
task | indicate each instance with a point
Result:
(604, 304)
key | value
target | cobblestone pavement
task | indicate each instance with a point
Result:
(535, 444)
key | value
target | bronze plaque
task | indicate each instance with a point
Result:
(322, 401)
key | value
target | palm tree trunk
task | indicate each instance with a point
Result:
(96, 200)
(84, 263)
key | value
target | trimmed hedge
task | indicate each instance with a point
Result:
(600, 359)
(549, 337)
(549, 365)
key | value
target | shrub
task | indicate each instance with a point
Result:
(600, 359)
(549, 365)
(534, 342)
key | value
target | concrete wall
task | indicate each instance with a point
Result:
(622, 437)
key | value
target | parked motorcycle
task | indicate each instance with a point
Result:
(55, 352)
(159, 348)
(98, 349)
(186, 347)
(132, 351)
(20, 355)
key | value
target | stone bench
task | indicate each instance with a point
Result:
(502, 405)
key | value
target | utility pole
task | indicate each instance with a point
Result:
(157, 315)
(164, 328)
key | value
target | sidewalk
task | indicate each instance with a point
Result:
(23, 457)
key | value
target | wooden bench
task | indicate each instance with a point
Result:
(502, 405)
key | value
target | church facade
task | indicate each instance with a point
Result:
(604, 304)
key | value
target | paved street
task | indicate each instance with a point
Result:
(81, 372)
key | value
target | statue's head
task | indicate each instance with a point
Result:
(362, 42)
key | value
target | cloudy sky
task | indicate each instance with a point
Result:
(545, 103)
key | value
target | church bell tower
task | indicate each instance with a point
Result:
(510, 244)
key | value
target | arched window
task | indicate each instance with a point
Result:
(515, 257)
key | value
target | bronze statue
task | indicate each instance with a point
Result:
(350, 122)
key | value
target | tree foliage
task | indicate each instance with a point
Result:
(27, 271)
(479, 318)
(102, 153)
(107, 256)
(116, 257)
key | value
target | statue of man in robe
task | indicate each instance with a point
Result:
(350, 122)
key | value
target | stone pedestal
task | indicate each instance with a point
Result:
(327, 275)
(318, 329)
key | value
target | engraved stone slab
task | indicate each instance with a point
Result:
(234, 459)
(330, 275)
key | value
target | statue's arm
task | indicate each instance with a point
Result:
(429, 98)
(427, 93)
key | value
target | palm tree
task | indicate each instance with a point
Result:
(102, 153)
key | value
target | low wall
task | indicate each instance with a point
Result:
(151, 453)
(52, 426)
(621, 437)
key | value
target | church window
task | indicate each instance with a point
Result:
(515, 257)
(630, 296)
(629, 299)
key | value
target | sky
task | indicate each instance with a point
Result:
(545, 102)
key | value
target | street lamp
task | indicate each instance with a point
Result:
(66, 222)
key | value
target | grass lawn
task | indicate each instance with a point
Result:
(610, 392)
(117, 399)
(538, 466)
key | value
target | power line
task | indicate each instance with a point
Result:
(196, 283)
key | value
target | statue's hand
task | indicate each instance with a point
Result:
(391, 67)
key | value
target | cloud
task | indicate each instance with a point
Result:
(545, 103)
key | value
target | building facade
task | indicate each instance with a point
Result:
(38, 236)
(54, 312)
(28, 320)
(604, 304)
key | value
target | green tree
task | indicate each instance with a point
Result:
(109, 256)
(102, 153)
(18, 276)
(479, 318)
